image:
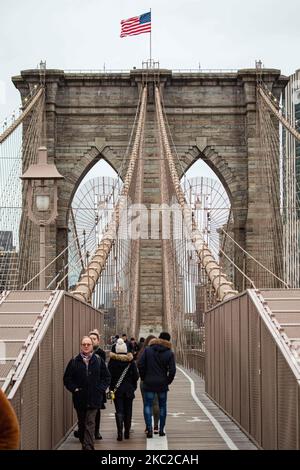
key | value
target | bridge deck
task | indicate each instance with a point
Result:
(188, 424)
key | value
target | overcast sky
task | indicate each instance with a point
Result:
(77, 34)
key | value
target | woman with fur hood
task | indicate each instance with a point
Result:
(120, 361)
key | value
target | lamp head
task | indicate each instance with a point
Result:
(42, 170)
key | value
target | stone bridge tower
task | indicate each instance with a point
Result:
(212, 116)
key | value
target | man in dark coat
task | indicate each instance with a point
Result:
(157, 371)
(86, 377)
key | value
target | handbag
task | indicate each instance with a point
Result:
(110, 395)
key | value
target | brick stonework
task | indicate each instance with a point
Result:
(211, 116)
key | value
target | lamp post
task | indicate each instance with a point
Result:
(41, 201)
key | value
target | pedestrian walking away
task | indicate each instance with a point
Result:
(128, 343)
(157, 371)
(155, 405)
(141, 344)
(134, 347)
(113, 346)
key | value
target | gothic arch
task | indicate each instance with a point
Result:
(75, 175)
(234, 186)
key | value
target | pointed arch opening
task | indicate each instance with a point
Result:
(211, 205)
(211, 209)
(91, 210)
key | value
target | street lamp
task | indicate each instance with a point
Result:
(41, 200)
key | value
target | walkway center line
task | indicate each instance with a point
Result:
(213, 420)
(157, 442)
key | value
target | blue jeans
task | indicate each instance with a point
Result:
(148, 402)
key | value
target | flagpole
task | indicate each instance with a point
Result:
(150, 38)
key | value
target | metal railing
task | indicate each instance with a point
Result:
(108, 71)
(96, 71)
(36, 391)
(204, 70)
(194, 359)
(250, 372)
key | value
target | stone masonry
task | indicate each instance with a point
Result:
(211, 116)
(151, 274)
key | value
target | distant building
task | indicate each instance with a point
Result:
(6, 240)
(8, 262)
(291, 183)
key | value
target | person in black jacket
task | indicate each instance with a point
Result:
(157, 370)
(124, 394)
(134, 347)
(86, 377)
(95, 337)
(127, 342)
(113, 346)
(155, 405)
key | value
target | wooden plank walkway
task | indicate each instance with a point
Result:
(194, 422)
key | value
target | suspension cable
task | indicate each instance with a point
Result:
(236, 267)
(8, 131)
(252, 257)
(183, 170)
(21, 118)
(277, 113)
(89, 278)
(219, 280)
(51, 262)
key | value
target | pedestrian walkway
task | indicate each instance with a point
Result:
(194, 422)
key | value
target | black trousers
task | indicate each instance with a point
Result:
(97, 422)
(86, 427)
(123, 405)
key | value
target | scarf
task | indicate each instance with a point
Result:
(86, 358)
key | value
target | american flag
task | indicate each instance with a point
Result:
(136, 25)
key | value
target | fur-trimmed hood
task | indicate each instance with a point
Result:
(121, 357)
(161, 342)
